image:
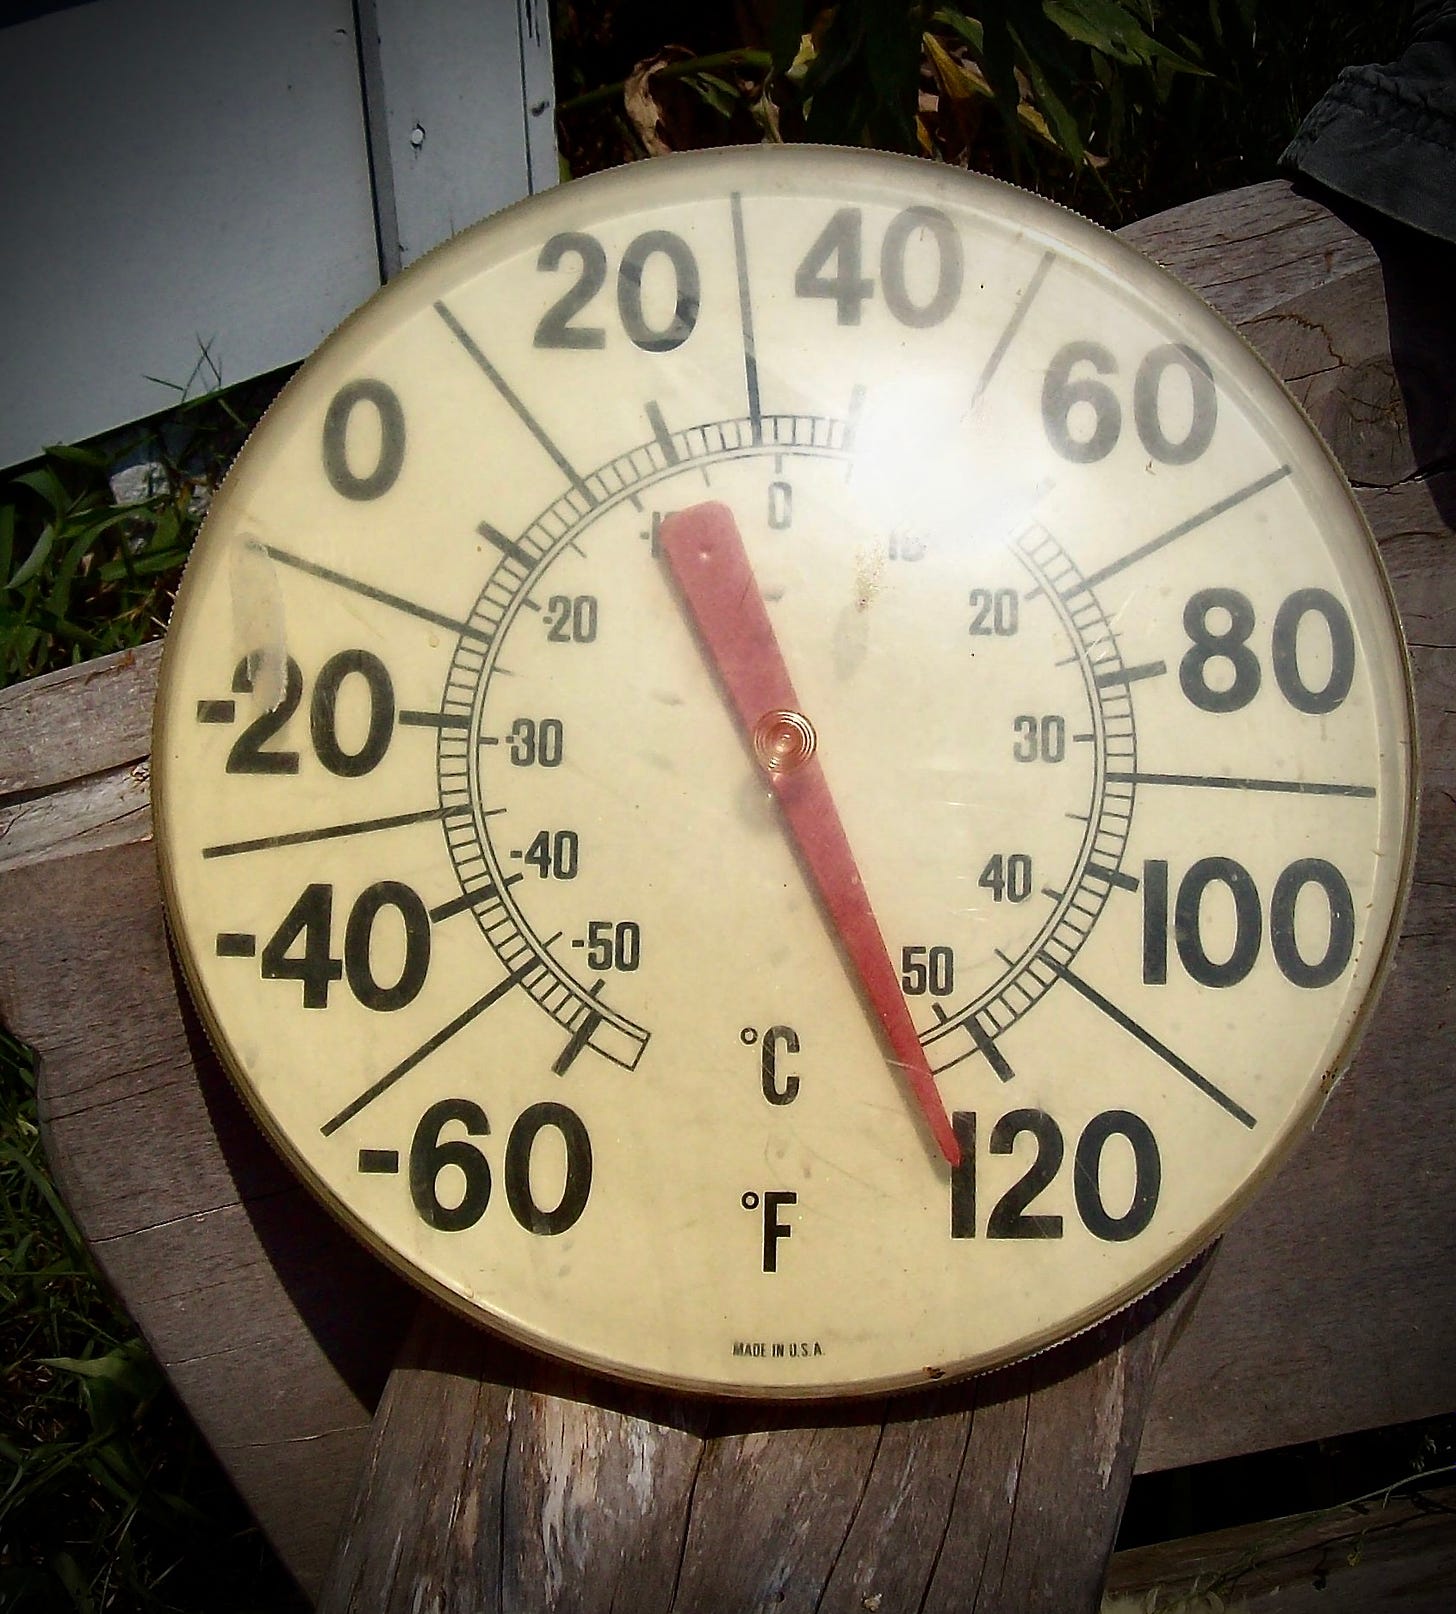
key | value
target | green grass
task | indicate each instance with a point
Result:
(82, 575)
(109, 1500)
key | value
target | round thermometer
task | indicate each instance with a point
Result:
(784, 772)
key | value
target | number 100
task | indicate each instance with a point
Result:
(1188, 939)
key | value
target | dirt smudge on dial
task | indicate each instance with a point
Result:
(851, 638)
(869, 568)
(259, 628)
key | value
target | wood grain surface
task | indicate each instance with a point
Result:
(1381, 1556)
(548, 1491)
(1330, 1307)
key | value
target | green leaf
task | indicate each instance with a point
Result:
(48, 485)
(36, 558)
(116, 1386)
(1063, 124)
(718, 93)
(969, 28)
(125, 1365)
(72, 454)
(1109, 27)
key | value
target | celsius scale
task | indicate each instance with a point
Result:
(785, 774)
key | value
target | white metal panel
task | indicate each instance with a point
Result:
(181, 176)
(461, 114)
(174, 175)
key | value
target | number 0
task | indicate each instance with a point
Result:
(343, 478)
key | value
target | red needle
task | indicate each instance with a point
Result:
(705, 555)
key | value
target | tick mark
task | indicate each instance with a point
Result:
(1124, 882)
(434, 720)
(470, 899)
(1193, 522)
(1130, 675)
(507, 546)
(1289, 787)
(745, 317)
(1018, 314)
(579, 1038)
(524, 415)
(1149, 1041)
(367, 591)
(425, 1049)
(660, 432)
(331, 832)
(994, 1057)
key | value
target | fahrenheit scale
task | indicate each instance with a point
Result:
(784, 772)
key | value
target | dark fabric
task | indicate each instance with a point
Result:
(1385, 135)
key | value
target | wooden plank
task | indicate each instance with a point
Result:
(1250, 250)
(74, 749)
(276, 1329)
(77, 722)
(495, 1483)
(1330, 1308)
(108, 809)
(1319, 1320)
(1397, 1556)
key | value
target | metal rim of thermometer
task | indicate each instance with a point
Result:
(520, 927)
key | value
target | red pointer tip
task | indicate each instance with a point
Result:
(705, 554)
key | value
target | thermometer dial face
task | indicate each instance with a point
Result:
(784, 772)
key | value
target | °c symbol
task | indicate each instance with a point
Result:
(748, 1036)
